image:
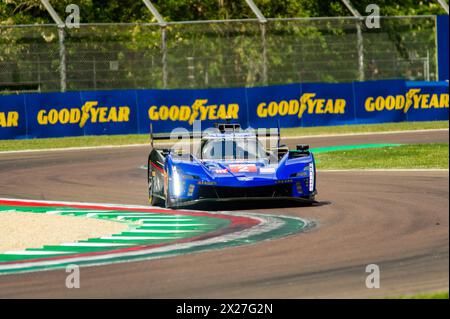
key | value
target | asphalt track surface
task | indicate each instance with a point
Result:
(397, 220)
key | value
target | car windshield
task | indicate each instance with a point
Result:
(232, 149)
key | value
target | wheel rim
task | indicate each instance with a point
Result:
(150, 190)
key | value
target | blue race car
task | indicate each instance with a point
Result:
(231, 164)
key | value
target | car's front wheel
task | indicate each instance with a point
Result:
(153, 199)
(168, 201)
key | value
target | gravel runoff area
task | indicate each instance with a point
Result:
(30, 230)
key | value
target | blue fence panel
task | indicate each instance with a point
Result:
(53, 114)
(132, 111)
(13, 119)
(327, 104)
(268, 105)
(167, 109)
(379, 101)
(429, 101)
(109, 112)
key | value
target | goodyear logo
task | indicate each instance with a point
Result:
(9, 119)
(412, 98)
(306, 103)
(89, 112)
(199, 110)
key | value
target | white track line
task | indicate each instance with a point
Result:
(87, 148)
(267, 223)
(384, 170)
(164, 231)
(131, 214)
(171, 225)
(68, 149)
(167, 231)
(136, 237)
(144, 217)
(97, 205)
(166, 220)
(33, 252)
(56, 212)
(364, 133)
(93, 244)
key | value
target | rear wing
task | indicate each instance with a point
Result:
(223, 128)
(168, 136)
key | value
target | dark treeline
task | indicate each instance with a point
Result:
(32, 11)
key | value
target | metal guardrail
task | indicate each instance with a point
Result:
(205, 54)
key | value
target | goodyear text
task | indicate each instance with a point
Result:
(89, 112)
(199, 110)
(9, 119)
(412, 98)
(306, 103)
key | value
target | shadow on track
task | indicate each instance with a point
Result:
(252, 204)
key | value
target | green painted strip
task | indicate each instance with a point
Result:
(326, 149)
(6, 258)
(169, 223)
(202, 228)
(80, 249)
(290, 226)
(273, 227)
(130, 242)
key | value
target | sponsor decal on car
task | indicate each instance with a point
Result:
(243, 168)
(206, 183)
(267, 170)
(221, 171)
(245, 179)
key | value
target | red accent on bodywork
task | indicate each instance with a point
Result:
(158, 167)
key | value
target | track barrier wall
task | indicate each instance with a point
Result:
(42, 115)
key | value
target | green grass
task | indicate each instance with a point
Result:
(65, 142)
(435, 155)
(367, 128)
(90, 141)
(439, 295)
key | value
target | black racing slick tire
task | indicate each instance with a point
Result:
(154, 200)
(168, 202)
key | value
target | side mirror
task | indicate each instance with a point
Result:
(301, 151)
(302, 147)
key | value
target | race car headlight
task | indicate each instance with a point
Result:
(177, 182)
(311, 177)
